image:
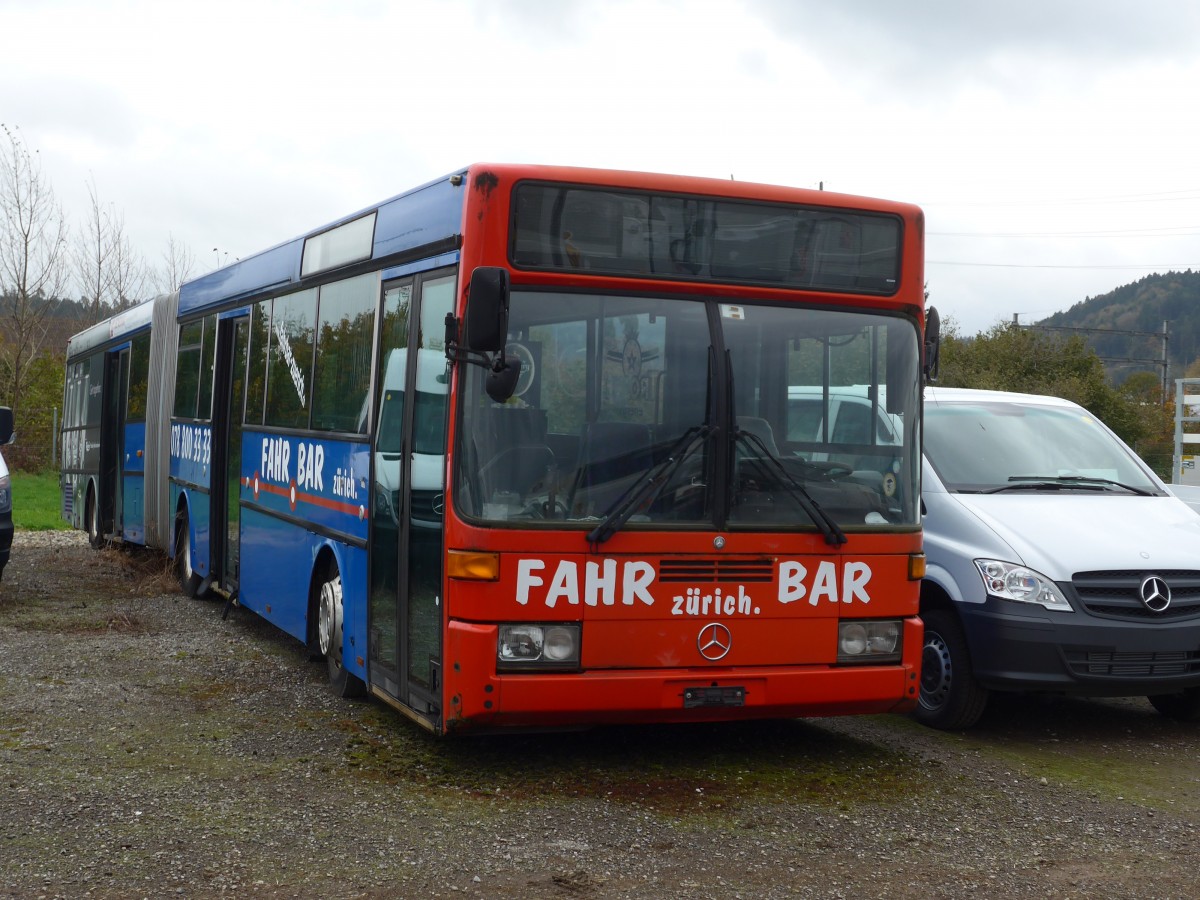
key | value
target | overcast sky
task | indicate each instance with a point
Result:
(1052, 144)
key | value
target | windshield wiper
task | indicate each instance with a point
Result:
(620, 512)
(832, 531)
(1063, 482)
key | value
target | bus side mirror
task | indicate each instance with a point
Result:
(486, 318)
(501, 381)
(6, 425)
(933, 343)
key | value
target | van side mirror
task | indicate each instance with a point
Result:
(7, 433)
(486, 319)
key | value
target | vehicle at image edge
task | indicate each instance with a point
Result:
(6, 522)
(1056, 561)
(582, 499)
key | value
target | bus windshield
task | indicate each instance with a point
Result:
(678, 413)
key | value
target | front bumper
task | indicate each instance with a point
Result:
(615, 696)
(1018, 648)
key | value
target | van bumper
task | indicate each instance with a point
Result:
(6, 538)
(1038, 650)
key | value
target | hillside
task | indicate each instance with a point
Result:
(1142, 307)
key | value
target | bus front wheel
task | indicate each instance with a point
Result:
(329, 636)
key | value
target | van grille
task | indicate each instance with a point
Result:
(717, 571)
(1116, 594)
(1132, 664)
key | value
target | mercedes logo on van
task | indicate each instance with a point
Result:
(1155, 594)
(714, 641)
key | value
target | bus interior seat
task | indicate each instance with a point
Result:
(611, 456)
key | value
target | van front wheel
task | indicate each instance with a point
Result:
(1183, 706)
(950, 697)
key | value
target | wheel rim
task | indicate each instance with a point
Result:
(936, 671)
(185, 557)
(329, 620)
(93, 519)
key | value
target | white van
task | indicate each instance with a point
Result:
(6, 522)
(1056, 561)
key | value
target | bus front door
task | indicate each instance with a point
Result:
(409, 463)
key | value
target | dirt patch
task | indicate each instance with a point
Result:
(148, 746)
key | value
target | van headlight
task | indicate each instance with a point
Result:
(869, 640)
(1009, 581)
(521, 646)
(5, 494)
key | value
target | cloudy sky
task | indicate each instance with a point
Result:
(1052, 144)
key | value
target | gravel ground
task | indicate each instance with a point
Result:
(151, 747)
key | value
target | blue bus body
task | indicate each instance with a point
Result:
(298, 502)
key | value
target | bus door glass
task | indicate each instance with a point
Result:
(132, 521)
(409, 462)
(112, 440)
(232, 340)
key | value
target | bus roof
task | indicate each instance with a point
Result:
(428, 220)
(115, 328)
(423, 221)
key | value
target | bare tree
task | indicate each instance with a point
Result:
(110, 272)
(178, 263)
(33, 260)
(91, 255)
(128, 270)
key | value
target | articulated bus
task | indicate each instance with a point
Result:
(520, 448)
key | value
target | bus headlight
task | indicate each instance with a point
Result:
(524, 646)
(869, 640)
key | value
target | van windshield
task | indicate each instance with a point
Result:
(978, 447)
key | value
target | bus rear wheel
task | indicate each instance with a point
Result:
(92, 514)
(330, 636)
(189, 581)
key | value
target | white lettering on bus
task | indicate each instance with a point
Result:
(636, 578)
(855, 576)
(310, 465)
(601, 586)
(276, 457)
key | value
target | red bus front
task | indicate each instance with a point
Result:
(698, 498)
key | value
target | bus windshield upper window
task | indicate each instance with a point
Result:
(677, 237)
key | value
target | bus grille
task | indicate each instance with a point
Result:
(1132, 664)
(717, 571)
(1116, 594)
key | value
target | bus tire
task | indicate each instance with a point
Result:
(329, 635)
(1183, 706)
(91, 514)
(189, 581)
(950, 698)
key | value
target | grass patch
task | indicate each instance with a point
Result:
(37, 499)
(678, 770)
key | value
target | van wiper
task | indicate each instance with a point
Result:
(1063, 482)
(833, 533)
(619, 513)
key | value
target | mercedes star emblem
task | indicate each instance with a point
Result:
(1156, 594)
(714, 641)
